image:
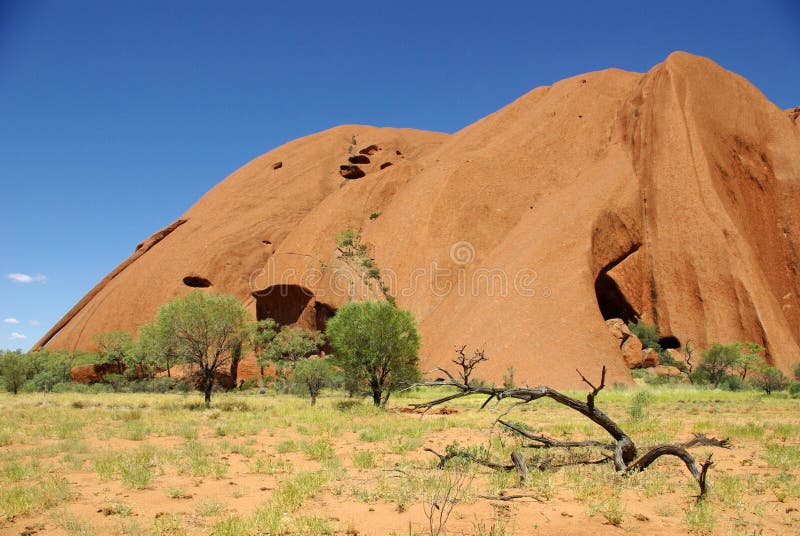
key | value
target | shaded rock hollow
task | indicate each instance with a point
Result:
(672, 196)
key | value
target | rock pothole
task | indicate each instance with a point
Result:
(195, 281)
(370, 150)
(359, 159)
(351, 172)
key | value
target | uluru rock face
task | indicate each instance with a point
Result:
(671, 196)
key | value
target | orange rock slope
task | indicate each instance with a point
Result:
(673, 196)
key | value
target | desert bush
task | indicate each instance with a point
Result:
(769, 379)
(639, 404)
(718, 362)
(377, 342)
(313, 374)
(14, 370)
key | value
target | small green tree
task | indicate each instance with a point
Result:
(749, 358)
(314, 374)
(259, 336)
(718, 361)
(376, 342)
(769, 379)
(47, 369)
(14, 370)
(115, 348)
(292, 344)
(796, 371)
(206, 330)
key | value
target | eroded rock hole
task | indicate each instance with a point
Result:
(195, 281)
(351, 172)
(277, 165)
(359, 159)
(611, 300)
(669, 342)
(370, 150)
(385, 165)
(292, 305)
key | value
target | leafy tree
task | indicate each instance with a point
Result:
(796, 371)
(769, 379)
(47, 369)
(378, 343)
(292, 344)
(314, 374)
(114, 347)
(749, 358)
(159, 346)
(259, 335)
(14, 370)
(206, 330)
(718, 361)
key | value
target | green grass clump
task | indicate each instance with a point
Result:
(320, 450)
(271, 465)
(288, 498)
(26, 499)
(364, 459)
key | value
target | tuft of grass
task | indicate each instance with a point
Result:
(168, 525)
(231, 525)
(271, 465)
(288, 498)
(320, 450)
(364, 459)
(312, 526)
(700, 519)
(75, 526)
(784, 457)
(28, 499)
(286, 446)
(209, 508)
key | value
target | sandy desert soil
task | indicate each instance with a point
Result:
(271, 464)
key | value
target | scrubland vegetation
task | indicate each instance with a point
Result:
(116, 463)
(135, 454)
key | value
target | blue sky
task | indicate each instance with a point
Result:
(116, 116)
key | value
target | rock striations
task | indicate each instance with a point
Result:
(672, 196)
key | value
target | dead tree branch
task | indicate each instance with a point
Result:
(624, 450)
(548, 442)
(702, 440)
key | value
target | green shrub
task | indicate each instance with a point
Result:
(769, 379)
(639, 405)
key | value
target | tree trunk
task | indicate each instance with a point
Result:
(376, 392)
(208, 387)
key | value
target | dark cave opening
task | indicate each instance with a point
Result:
(669, 342)
(611, 300)
(292, 305)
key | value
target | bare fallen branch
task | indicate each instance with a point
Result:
(510, 497)
(624, 450)
(702, 440)
(548, 442)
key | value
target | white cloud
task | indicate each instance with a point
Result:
(25, 278)
(10, 321)
(16, 336)
(34, 322)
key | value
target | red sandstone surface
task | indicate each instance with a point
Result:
(673, 196)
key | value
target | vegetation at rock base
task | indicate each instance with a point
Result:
(376, 343)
